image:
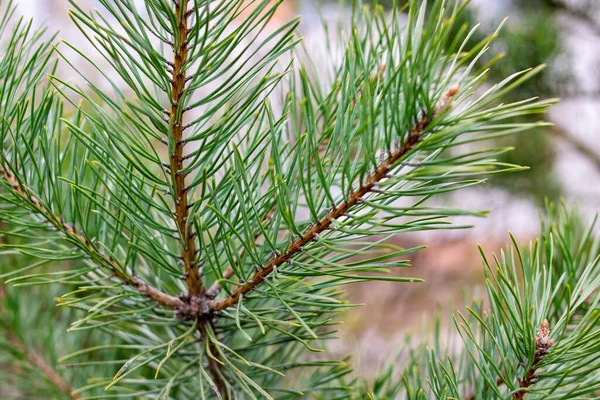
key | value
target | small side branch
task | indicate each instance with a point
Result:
(156, 295)
(583, 148)
(543, 343)
(580, 14)
(341, 209)
(37, 361)
(104, 259)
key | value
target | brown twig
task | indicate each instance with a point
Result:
(339, 210)
(36, 360)
(582, 15)
(178, 81)
(75, 236)
(543, 343)
(580, 146)
(542, 347)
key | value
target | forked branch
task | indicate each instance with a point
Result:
(37, 361)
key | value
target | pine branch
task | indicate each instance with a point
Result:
(194, 301)
(178, 81)
(542, 347)
(104, 259)
(583, 148)
(341, 209)
(38, 362)
(117, 185)
(503, 328)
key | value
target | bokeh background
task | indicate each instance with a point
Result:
(564, 159)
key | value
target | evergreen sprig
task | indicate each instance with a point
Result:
(538, 336)
(212, 195)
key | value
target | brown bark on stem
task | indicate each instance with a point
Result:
(543, 343)
(178, 80)
(37, 361)
(102, 258)
(341, 209)
(195, 301)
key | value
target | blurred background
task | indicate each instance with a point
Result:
(564, 159)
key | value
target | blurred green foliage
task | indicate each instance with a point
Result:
(533, 39)
(529, 39)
